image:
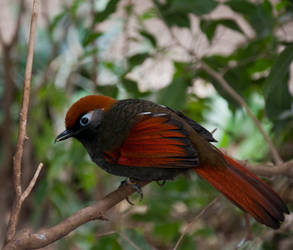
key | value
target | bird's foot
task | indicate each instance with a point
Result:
(132, 182)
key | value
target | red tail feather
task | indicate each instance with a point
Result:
(246, 190)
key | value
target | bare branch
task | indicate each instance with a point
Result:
(129, 241)
(17, 159)
(188, 226)
(232, 93)
(26, 239)
(248, 235)
(243, 104)
(268, 170)
(32, 183)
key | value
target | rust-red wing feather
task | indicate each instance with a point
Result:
(155, 140)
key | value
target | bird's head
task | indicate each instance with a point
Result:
(85, 114)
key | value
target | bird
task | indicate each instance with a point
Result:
(144, 141)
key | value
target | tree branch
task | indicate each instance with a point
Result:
(17, 159)
(26, 239)
(243, 104)
(188, 226)
(231, 92)
(32, 183)
(285, 168)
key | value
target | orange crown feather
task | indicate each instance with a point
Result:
(86, 104)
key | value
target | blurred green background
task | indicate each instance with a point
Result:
(152, 50)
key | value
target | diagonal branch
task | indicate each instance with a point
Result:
(278, 160)
(32, 183)
(25, 239)
(188, 226)
(285, 168)
(243, 104)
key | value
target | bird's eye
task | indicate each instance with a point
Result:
(85, 120)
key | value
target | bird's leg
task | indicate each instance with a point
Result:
(132, 182)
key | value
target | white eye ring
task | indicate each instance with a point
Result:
(85, 119)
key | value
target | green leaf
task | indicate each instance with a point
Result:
(130, 85)
(107, 243)
(108, 90)
(166, 232)
(259, 15)
(237, 77)
(217, 61)
(174, 95)
(56, 21)
(88, 52)
(260, 65)
(103, 15)
(243, 7)
(151, 38)
(136, 60)
(277, 96)
(132, 88)
(148, 14)
(209, 27)
(175, 12)
(90, 37)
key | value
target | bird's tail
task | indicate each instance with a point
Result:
(246, 190)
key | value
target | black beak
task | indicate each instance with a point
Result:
(64, 135)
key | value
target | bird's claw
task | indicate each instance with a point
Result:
(133, 184)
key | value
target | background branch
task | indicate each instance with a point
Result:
(243, 104)
(26, 239)
(188, 226)
(17, 159)
(232, 93)
(285, 168)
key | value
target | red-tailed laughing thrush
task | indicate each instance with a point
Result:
(141, 140)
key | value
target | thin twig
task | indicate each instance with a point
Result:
(129, 241)
(32, 183)
(243, 104)
(99, 235)
(248, 235)
(188, 226)
(25, 239)
(232, 93)
(17, 159)
(247, 232)
(285, 168)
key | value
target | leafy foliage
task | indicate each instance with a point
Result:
(121, 43)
